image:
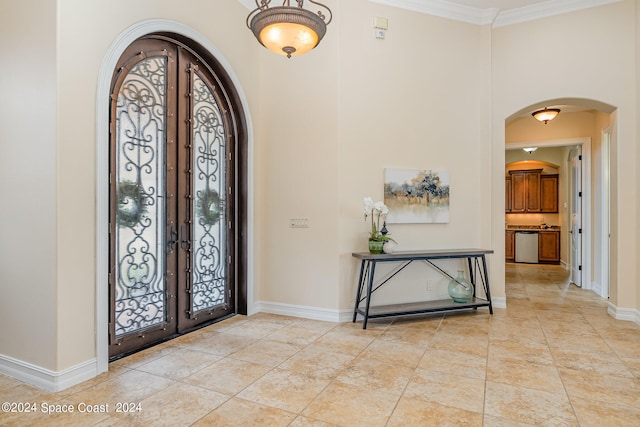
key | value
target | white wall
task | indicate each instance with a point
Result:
(414, 100)
(28, 183)
(298, 175)
(587, 54)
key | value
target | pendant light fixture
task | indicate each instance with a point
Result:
(546, 114)
(288, 30)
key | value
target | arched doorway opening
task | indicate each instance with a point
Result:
(243, 132)
(583, 128)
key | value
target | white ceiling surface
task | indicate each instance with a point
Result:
(498, 13)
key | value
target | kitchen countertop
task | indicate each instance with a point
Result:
(533, 227)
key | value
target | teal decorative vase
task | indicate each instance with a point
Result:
(375, 247)
(460, 289)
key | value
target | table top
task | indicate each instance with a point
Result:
(425, 254)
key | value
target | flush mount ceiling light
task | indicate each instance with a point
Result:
(546, 114)
(530, 149)
(288, 30)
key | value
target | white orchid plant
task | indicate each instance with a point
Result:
(377, 212)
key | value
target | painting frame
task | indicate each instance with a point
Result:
(417, 196)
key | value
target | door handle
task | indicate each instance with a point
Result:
(173, 239)
(184, 241)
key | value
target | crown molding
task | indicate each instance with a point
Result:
(478, 16)
(445, 9)
(497, 18)
(543, 10)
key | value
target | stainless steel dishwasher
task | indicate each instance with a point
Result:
(527, 246)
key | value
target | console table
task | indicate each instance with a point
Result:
(476, 267)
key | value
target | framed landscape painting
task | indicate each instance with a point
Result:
(416, 196)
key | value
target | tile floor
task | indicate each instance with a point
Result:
(553, 358)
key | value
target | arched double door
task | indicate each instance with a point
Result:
(174, 199)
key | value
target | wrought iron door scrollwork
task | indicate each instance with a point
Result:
(139, 160)
(209, 281)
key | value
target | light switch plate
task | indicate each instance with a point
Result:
(299, 222)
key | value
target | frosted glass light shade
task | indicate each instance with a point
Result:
(288, 30)
(546, 114)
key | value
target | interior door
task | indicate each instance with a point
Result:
(171, 196)
(576, 215)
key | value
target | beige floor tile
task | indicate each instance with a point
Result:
(593, 413)
(520, 351)
(603, 388)
(394, 353)
(273, 318)
(132, 386)
(220, 344)
(321, 365)
(229, 376)
(454, 363)
(528, 406)
(46, 415)
(266, 352)
(473, 345)
(284, 389)
(147, 355)
(607, 363)
(257, 329)
(553, 357)
(179, 364)
(313, 325)
(473, 330)
(617, 331)
(582, 328)
(625, 347)
(417, 412)
(429, 322)
(492, 421)
(411, 335)
(525, 374)
(241, 413)
(225, 324)
(578, 343)
(293, 334)
(633, 364)
(450, 390)
(345, 342)
(16, 391)
(177, 405)
(374, 327)
(114, 371)
(372, 374)
(346, 405)
(301, 421)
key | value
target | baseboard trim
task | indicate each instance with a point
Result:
(327, 315)
(620, 313)
(499, 302)
(47, 379)
(305, 312)
(596, 287)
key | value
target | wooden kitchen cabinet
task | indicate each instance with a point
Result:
(510, 245)
(525, 191)
(549, 246)
(508, 194)
(549, 193)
